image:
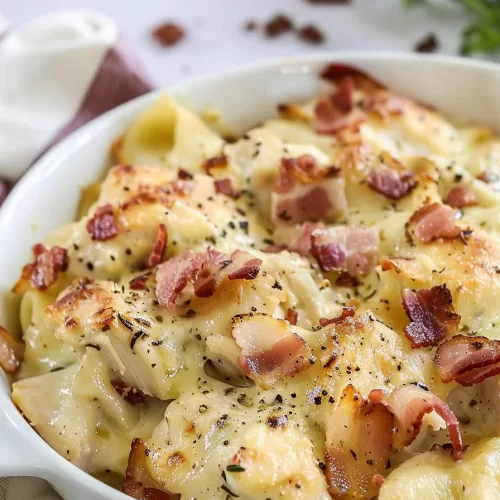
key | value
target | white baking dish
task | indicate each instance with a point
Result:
(47, 196)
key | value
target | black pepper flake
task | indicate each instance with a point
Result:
(128, 251)
(190, 313)
(277, 286)
(90, 266)
(244, 225)
(127, 324)
(137, 335)
(94, 346)
(156, 343)
(318, 400)
(203, 408)
(232, 225)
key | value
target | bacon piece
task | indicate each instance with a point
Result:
(335, 72)
(468, 360)
(173, 275)
(328, 120)
(131, 395)
(343, 98)
(302, 245)
(350, 249)
(217, 267)
(347, 312)
(44, 270)
(139, 282)
(461, 196)
(390, 183)
(168, 34)
(269, 351)
(11, 352)
(219, 161)
(208, 278)
(204, 270)
(291, 316)
(306, 192)
(138, 481)
(409, 404)
(433, 221)
(431, 314)
(184, 175)
(384, 104)
(225, 186)
(358, 446)
(103, 225)
(294, 238)
(242, 267)
(159, 247)
(183, 187)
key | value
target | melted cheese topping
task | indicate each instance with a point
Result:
(200, 413)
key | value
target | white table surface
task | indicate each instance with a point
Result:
(216, 39)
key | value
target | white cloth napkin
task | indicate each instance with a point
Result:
(56, 73)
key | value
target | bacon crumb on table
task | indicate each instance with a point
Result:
(169, 34)
(311, 34)
(428, 44)
(278, 25)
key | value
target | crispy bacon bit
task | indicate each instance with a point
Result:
(168, 34)
(184, 175)
(302, 245)
(291, 316)
(468, 360)
(44, 270)
(239, 266)
(347, 312)
(358, 446)
(428, 44)
(306, 192)
(433, 221)
(350, 249)
(336, 112)
(278, 25)
(11, 352)
(131, 395)
(204, 270)
(269, 351)
(138, 481)
(173, 275)
(335, 72)
(343, 98)
(219, 161)
(409, 404)
(431, 314)
(311, 34)
(461, 196)
(139, 282)
(245, 268)
(225, 186)
(294, 238)
(384, 104)
(183, 187)
(103, 225)
(391, 183)
(159, 247)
